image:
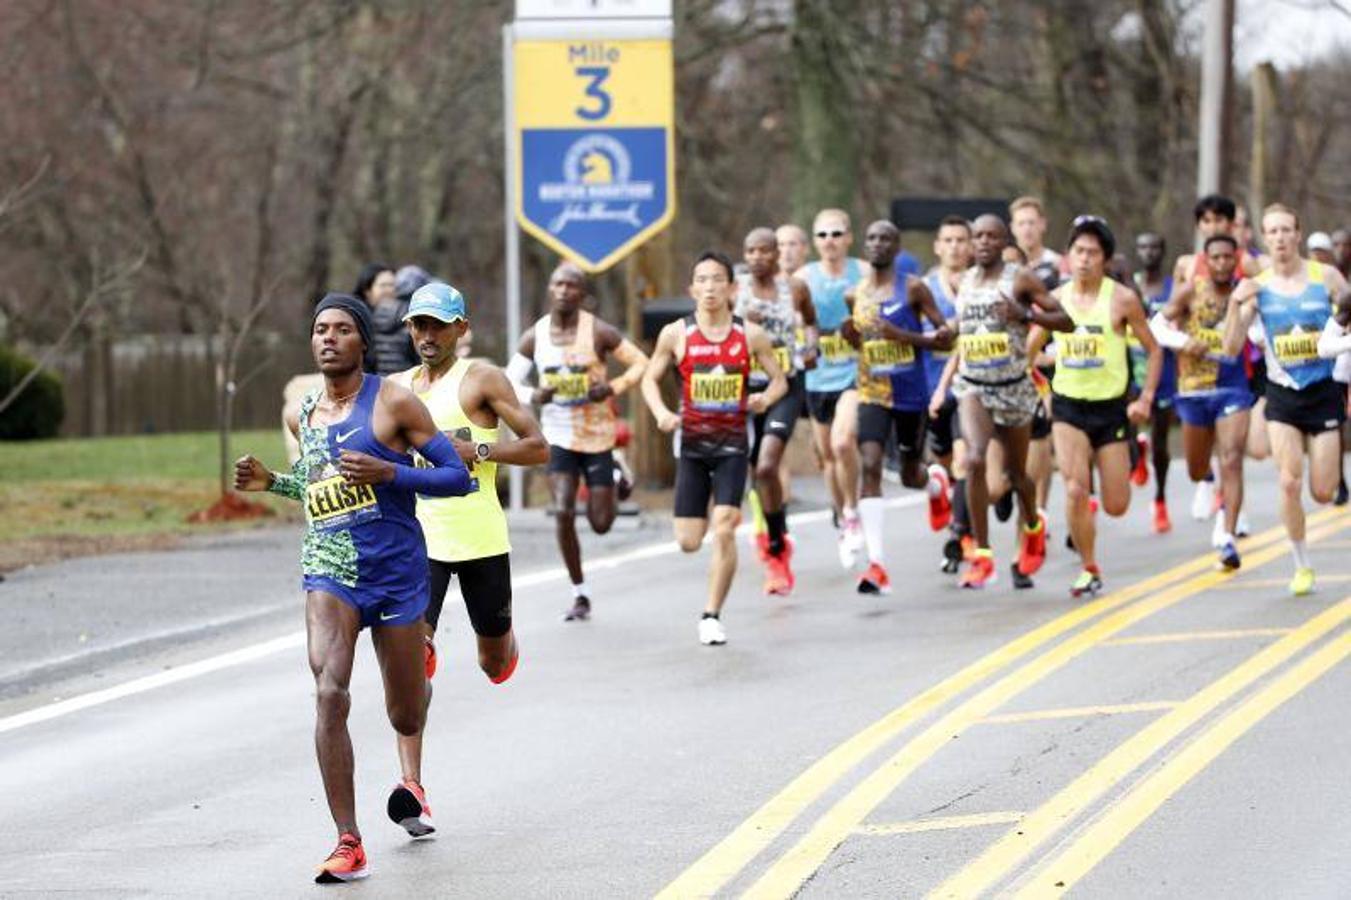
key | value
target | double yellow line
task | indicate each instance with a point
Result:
(730, 856)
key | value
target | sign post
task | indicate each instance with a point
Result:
(589, 100)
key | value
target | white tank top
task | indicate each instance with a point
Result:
(570, 420)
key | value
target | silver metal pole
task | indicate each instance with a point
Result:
(1214, 71)
(515, 477)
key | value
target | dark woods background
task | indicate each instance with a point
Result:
(194, 168)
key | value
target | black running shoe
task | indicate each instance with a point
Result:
(1003, 507)
(1020, 581)
(580, 612)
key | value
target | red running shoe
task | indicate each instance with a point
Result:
(940, 504)
(980, 571)
(1140, 474)
(1032, 549)
(874, 581)
(407, 808)
(1162, 524)
(429, 656)
(346, 863)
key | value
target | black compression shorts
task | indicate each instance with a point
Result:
(779, 420)
(1317, 408)
(1103, 421)
(700, 477)
(485, 585)
(942, 430)
(877, 423)
(597, 468)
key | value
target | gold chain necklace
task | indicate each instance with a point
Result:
(335, 402)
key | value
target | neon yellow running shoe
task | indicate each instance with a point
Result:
(1302, 583)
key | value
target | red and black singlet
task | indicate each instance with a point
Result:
(713, 391)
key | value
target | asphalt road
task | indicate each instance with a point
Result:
(1186, 734)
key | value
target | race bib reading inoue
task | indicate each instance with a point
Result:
(716, 391)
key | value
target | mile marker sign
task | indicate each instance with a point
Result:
(593, 113)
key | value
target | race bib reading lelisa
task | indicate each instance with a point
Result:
(331, 503)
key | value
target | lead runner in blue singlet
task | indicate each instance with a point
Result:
(364, 559)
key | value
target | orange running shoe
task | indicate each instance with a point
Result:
(940, 504)
(429, 656)
(968, 547)
(1093, 504)
(762, 546)
(1140, 474)
(1162, 524)
(1032, 549)
(779, 578)
(874, 581)
(347, 862)
(980, 571)
(407, 808)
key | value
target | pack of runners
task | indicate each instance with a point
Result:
(1004, 363)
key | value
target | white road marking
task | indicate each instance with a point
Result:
(254, 652)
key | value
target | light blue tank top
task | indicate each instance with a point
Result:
(837, 365)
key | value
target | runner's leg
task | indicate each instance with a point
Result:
(564, 488)
(1074, 454)
(1114, 477)
(331, 629)
(977, 429)
(1231, 435)
(1325, 451)
(1287, 448)
(722, 567)
(844, 447)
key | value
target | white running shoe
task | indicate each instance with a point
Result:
(711, 632)
(1218, 534)
(1242, 527)
(1203, 500)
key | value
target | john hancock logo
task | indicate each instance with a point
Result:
(596, 185)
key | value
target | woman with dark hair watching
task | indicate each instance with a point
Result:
(392, 349)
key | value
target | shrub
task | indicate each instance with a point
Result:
(38, 411)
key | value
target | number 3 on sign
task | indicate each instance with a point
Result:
(594, 92)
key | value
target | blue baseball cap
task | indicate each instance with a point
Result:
(438, 300)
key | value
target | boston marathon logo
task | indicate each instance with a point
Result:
(597, 185)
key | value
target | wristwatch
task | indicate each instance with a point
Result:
(483, 450)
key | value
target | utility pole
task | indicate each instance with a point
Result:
(1216, 95)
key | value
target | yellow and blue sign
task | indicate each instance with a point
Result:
(595, 132)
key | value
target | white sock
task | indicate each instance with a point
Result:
(1300, 551)
(1226, 538)
(579, 590)
(935, 483)
(872, 512)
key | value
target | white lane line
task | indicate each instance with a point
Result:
(254, 652)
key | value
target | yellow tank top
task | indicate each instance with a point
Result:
(1091, 361)
(472, 526)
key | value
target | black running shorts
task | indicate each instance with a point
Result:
(942, 430)
(1103, 421)
(877, 423)
(700, 477)
(485, 585)
(597, 468)
(779, 420)
(1317, 408)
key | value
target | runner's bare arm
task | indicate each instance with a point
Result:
(528, 448)
(662, 357)
(940, 394)
(763, 348)
(413, 428)
(802, 301)
(1042, 307)
(1165, 324)
(1239, 318)
(610, 342)
(1130, 312)
(922, 300)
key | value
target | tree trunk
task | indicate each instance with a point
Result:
(826, 153)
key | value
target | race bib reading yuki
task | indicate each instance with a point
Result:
(836, 349)
(716, 391)
(783, 358)
(1296, 348)
(569, 387)
(1081, 350)
(332, 504)
(886, 357)
(985, 350)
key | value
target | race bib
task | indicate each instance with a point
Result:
(1081, 350)
(1214, 342)
(836, 349)
(569, 387)
(716, 391)
(885, 357)
(784, 359)
(1296, 349)
(331, 504)
(982, 350)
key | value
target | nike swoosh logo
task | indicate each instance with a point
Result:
(342, 437)
(888, 310)
(385, 617)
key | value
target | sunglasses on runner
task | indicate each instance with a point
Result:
(829, 234)
(1084, 220)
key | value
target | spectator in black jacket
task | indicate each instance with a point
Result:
(392, 349)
